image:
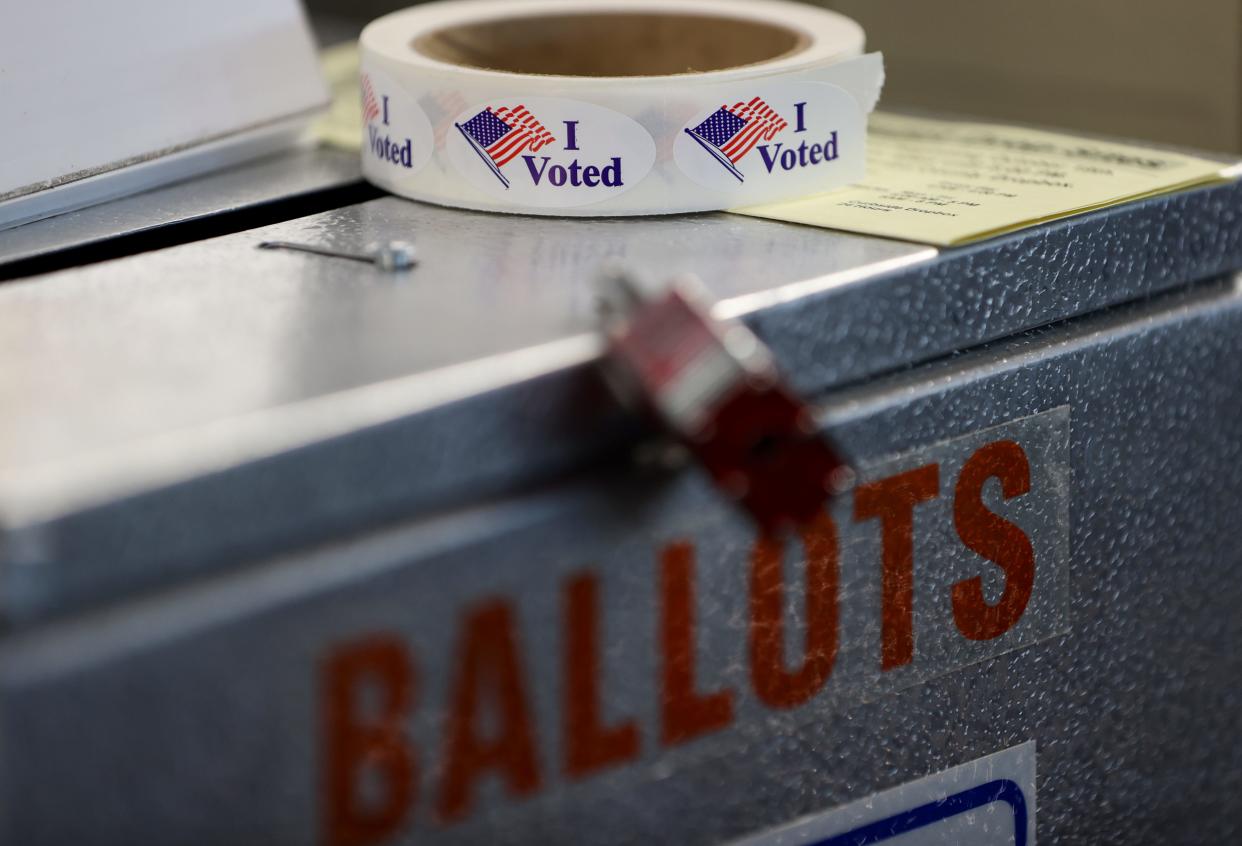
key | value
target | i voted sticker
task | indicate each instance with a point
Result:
(772, 138)
(396, 133)
(549, 152)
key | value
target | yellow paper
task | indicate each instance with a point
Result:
(342, 125)
(947, 182)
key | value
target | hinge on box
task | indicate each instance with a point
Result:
(714, 385)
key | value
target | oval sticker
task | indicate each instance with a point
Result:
(549, 152)
(773, 139)
(396, 135)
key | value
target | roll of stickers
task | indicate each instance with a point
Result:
(614, 107)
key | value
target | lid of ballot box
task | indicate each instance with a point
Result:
(195, 407)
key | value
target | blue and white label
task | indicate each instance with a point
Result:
(986, 802)
(549, 152)
(396, 134)
(776, 137)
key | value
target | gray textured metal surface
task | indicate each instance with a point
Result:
(189, 366)
(205, 403)
(983, 802)
(199, 713)
(279, 177)
(255, 330)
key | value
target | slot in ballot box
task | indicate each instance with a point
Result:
(295, 550)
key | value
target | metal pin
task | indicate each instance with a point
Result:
(390, 256)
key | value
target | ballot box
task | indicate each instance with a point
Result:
(297, 550)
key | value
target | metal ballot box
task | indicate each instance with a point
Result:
(295, 550)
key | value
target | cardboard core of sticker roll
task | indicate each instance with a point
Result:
(612, 44)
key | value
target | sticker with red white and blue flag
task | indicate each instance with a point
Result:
(500, 135)
(370, 103)
(396, 137)
(730, 132)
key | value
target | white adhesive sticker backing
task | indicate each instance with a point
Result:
(538, 143)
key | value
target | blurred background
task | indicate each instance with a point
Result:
(1116, 67)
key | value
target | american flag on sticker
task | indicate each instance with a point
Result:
(370, 104)
(501, 135)
(730, 132)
